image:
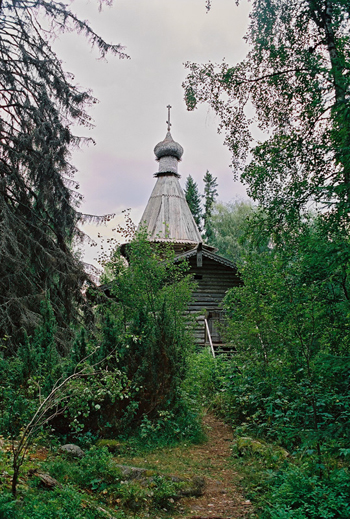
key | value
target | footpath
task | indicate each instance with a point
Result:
(222, 497)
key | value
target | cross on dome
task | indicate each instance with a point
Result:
(168, 152)
(168, 121)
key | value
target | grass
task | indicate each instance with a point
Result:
(95, 483)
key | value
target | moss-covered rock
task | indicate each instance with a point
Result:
(246, 446)
(113, 446)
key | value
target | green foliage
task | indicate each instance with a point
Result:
(97, 472)
(180, 423)
(289, 379)
(231, 224)
(64, 503)
(284, 486)
(29, 376)
(289, 322)
(132, 376)
(296, 77)
(145, 326)
(113, 446)
(289, 325)
(39, 386)
(85, 485)
(29, 372)
(206, 379)
(299, 493)
(193, 198)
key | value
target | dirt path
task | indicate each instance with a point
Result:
(222, 498)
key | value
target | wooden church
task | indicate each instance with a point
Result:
(168, 218)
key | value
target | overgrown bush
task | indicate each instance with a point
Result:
(63, 502)
(288, 381)
(125, 377)
(298, 492)
(289, 324)
(206, 380)
(144, 331)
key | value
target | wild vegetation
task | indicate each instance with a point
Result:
(114, 369)
(289, 382)
(76, 364)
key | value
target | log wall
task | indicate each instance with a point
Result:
(213, 280)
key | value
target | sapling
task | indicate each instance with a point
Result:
(51, 406)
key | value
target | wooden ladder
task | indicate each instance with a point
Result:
(207, 334)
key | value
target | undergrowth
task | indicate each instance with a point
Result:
(89, 488)
(284, 475)
(283, 486)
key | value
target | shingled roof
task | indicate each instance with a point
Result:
(167, 216)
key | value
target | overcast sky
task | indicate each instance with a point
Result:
(159, 35)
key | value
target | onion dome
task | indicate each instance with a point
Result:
(168, 153)
(168, 148)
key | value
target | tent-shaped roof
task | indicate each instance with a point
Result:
(167, 216)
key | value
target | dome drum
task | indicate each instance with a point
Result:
(167, 164)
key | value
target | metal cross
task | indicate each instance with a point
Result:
(168, 121)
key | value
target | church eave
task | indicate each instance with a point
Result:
(208, 254)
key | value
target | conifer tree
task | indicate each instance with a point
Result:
(38, 196)
(210, 195)
(193, 199)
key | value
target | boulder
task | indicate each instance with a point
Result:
(72, 450)
(129, 472)
(45, 479)
(246, 446)
(193, 488)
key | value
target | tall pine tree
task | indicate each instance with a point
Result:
(38, 196)
(194, 201)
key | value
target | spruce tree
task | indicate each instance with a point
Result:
(194, 201)
(210, 195)
(39, 201)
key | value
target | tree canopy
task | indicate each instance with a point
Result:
(39, 200)
(296, 77)
(230, 224)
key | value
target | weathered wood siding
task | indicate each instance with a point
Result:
(167, 216)
(213, 280)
